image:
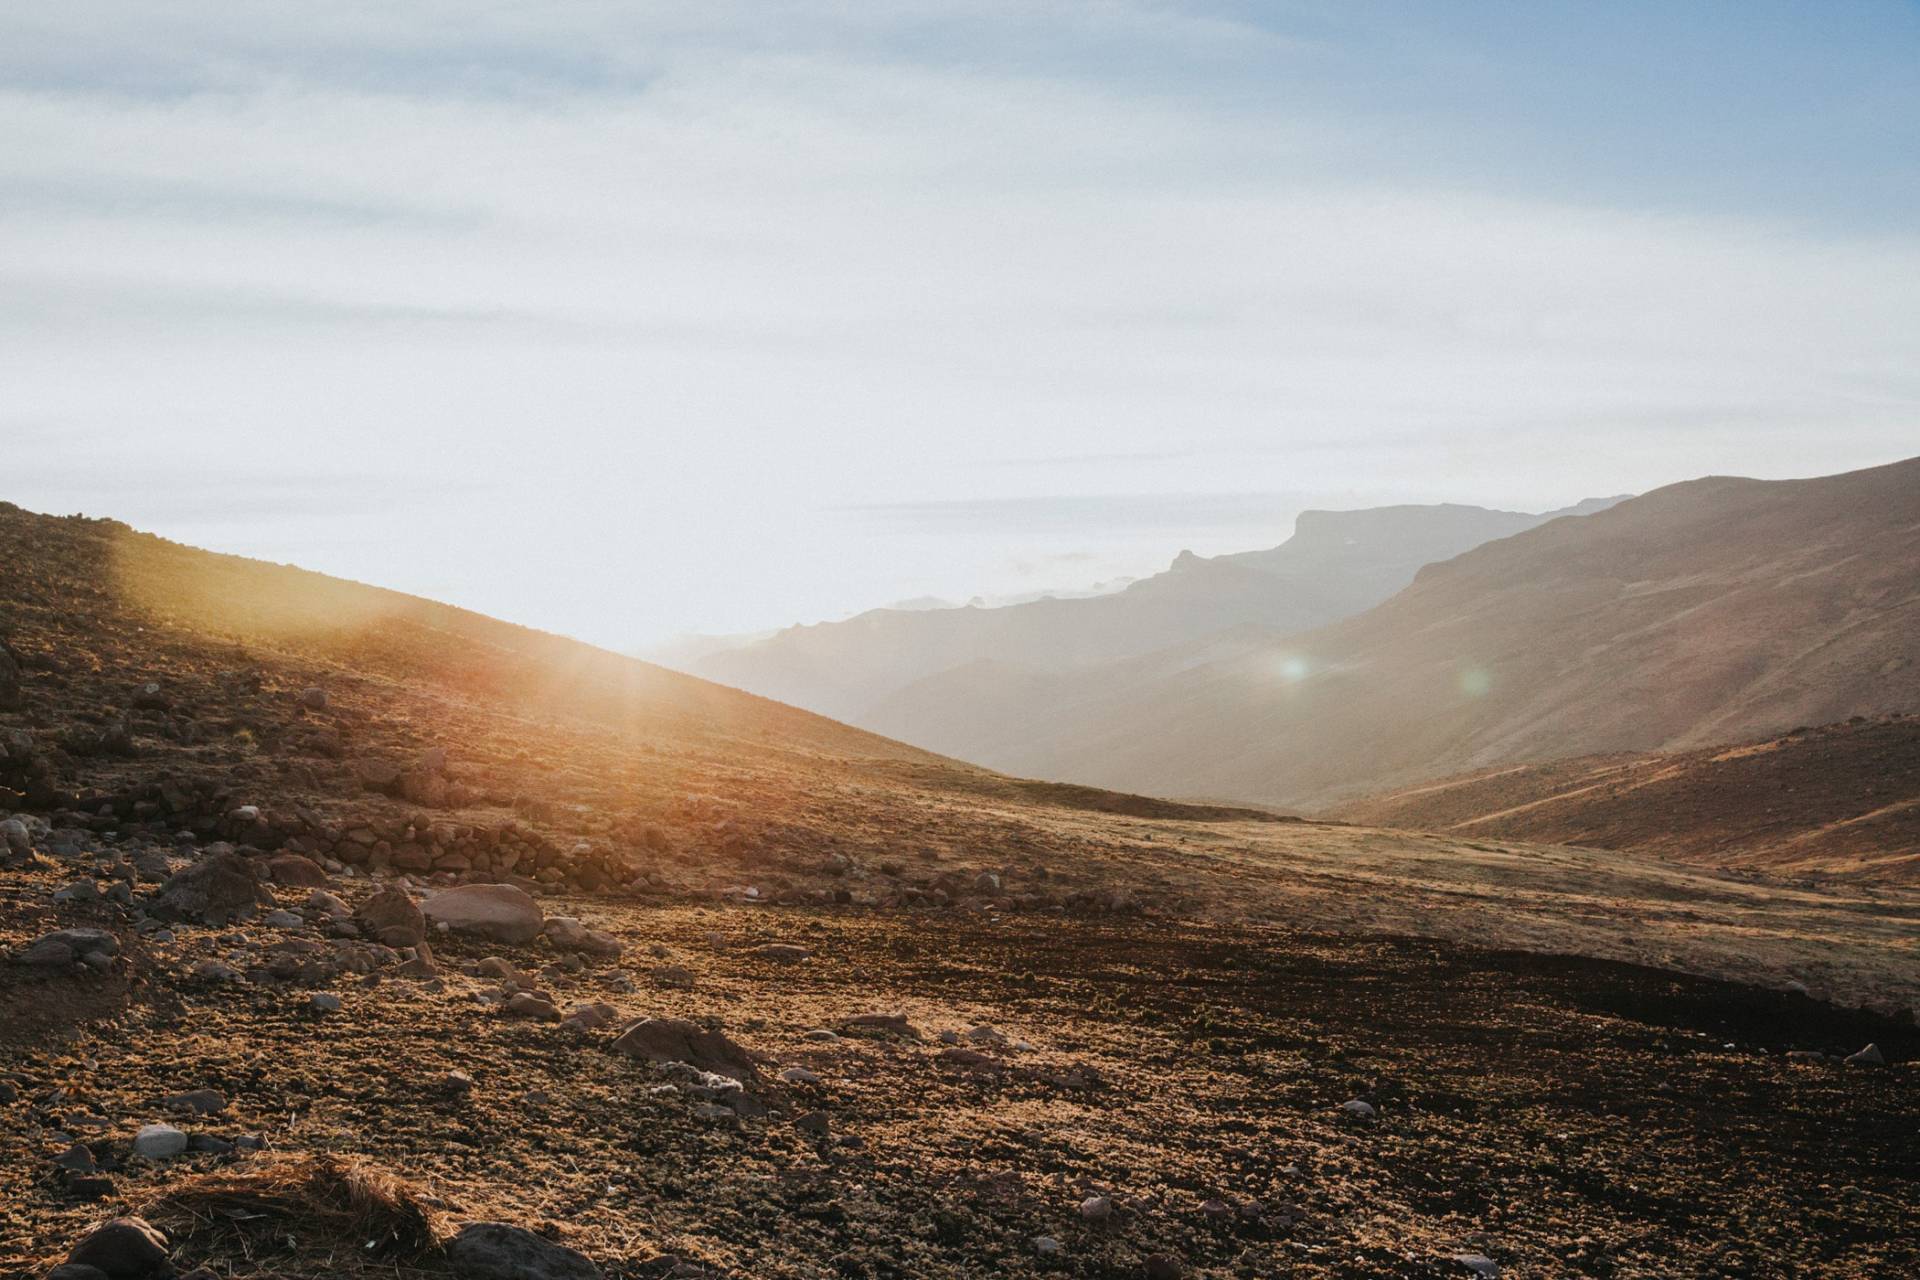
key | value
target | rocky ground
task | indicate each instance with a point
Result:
(343, 934)
(1041, 1097)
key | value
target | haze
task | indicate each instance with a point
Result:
(626, 320)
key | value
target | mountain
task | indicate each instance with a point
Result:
(1335, 564)
(1705, 612)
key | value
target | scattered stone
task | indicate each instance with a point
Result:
(799, 1075)
(496, 1251)
(569, 934)
(782, 952)
(677, 1040)
(78, 891)
(76, 1159)
(676, 976)
(123, 1249)
(1046, 1246)
(215, 971)
(1358, 1108)
(64, 946)
(497, 911)
(159, 1142)
(296, 872)
(1096, 1208)
(327, 904)
(524, 1004)
(202, 1102)
(1867, 1057)
(592, 1017)
(324, 1002)
(1164, 1266)
(278, 919)
(15, 836)
(1478, 1263)
(457, 1083)
(215, 890)
(314, 699)
(392, 917)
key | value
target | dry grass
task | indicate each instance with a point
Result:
(352, 1210)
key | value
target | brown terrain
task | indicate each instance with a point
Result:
(1837, 800)
(727, 989)
(1716, 611)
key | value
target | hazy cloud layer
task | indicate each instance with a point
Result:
(632, 319)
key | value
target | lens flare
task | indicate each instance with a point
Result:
(1475, 681)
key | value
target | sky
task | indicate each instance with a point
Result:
(628, 320)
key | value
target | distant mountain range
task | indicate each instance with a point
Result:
(1715, 611)
(923, 673)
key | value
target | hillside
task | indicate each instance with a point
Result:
(344, 934)
(1707, 612)
(891, 666)
(1841, 799)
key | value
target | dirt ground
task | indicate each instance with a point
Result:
(1560, 1117)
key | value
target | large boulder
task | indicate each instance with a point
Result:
(496, 1251)
(677, 1040)
(214, 890)
(497, 911)
(124, 1249)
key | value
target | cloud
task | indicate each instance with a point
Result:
(714, 298)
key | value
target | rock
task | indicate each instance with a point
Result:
(75, 1159)
(569, 934)
(1046, 1246)
(497, 911)
(1867, 1057)
(327, 904)
(673, 975)
(1096, 1208)
(496, 1251)
(208, 1144)
(314, 698)
(282, 920)
(814, 1122)
(124, 1248)
(524, 1004)
(799, 1075)
(296, 871)
(15, 836)
(456, 1084)
(782, 952)
(881, 1024)
(1164, 1266)
(1358, 1108)
(392, 917)
(202, 1102)
(324, 1002)
(63, 946)
(215, 971)
(1478, 1263)
(214, 890)
(76, 1271)
(677, 1040)
(592, 1017)
(159, 1142)
(78, 891)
